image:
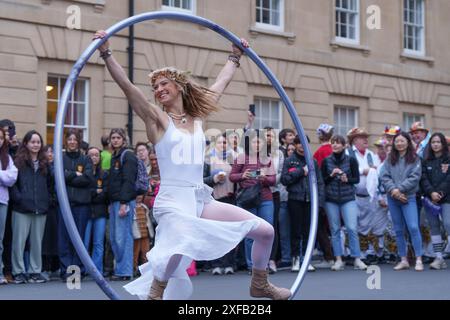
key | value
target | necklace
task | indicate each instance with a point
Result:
(179, 117)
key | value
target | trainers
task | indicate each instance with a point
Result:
(20, 278)
(311, 268)
(3, 280)
(324, 264)
(339, 265)
(272, 267)
(438, 264)
(402, 265)
(359, 265)
(295, 264)
(419, 266)
(36, 278)
(229, 270)
(217, 271)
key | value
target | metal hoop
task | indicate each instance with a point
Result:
(62, 109)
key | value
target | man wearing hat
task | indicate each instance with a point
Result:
(390, 133)
(381, 221)
(368, 162)
(421, 136)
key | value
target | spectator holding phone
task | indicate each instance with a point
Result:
(295, 176)
(251, 168)
(341, 173)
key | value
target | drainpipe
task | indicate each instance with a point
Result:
(130, 67)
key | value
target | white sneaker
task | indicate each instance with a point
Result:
(229, 270)
(311, 268)
(295, 264)
(359, 265)
(419, 266)
(324, 264)
(217, 271)
(272, 266)
(438, 263)
(339, 265)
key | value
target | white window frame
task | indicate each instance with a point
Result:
(416, 25)
(414, 118)
(84, 128)
(269, 26)
(357, 23)
(347, 126)
(173, 8)
(258, 110)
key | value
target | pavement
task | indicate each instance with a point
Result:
(384, 284)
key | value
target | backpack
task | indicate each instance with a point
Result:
(141, 184)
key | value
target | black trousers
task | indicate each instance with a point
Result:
(275, 255)
(299, 214)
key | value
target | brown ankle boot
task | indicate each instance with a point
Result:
(157, 290)
(262, 288)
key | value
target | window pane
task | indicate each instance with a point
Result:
(79, 91)
(343, 18)
(52, 108)
(266, 16)
(78, 114)
(351, 34)
(275, 18)
(52, 88)
(258, 15)
(343, 31)
(266, 4)
(176, 3)
(276, 5)
(69, 114)
(344, 4)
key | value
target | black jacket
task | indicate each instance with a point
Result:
(122, 177)
(434, 180)
(99, 204)
(293, 177)
(335, 190)
(32, 191)
(78, 186)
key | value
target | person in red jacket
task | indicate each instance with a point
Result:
(324, 133)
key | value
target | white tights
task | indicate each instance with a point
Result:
(262, 235)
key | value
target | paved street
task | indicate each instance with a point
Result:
(320, 285)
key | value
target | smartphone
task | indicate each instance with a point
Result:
(12, 132)
(255, 173)
(252, 109)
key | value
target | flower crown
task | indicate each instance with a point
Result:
(170, 73)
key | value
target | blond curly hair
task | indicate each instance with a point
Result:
(198, 101)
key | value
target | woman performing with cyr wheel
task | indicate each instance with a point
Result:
(191, 224)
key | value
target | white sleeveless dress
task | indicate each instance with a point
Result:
(177, 209)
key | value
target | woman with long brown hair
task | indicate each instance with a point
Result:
(31, 197)
(191, 224)
(8, 176)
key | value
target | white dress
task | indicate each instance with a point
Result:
(177, 209)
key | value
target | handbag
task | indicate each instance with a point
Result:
(431, 207)
(249, 197)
